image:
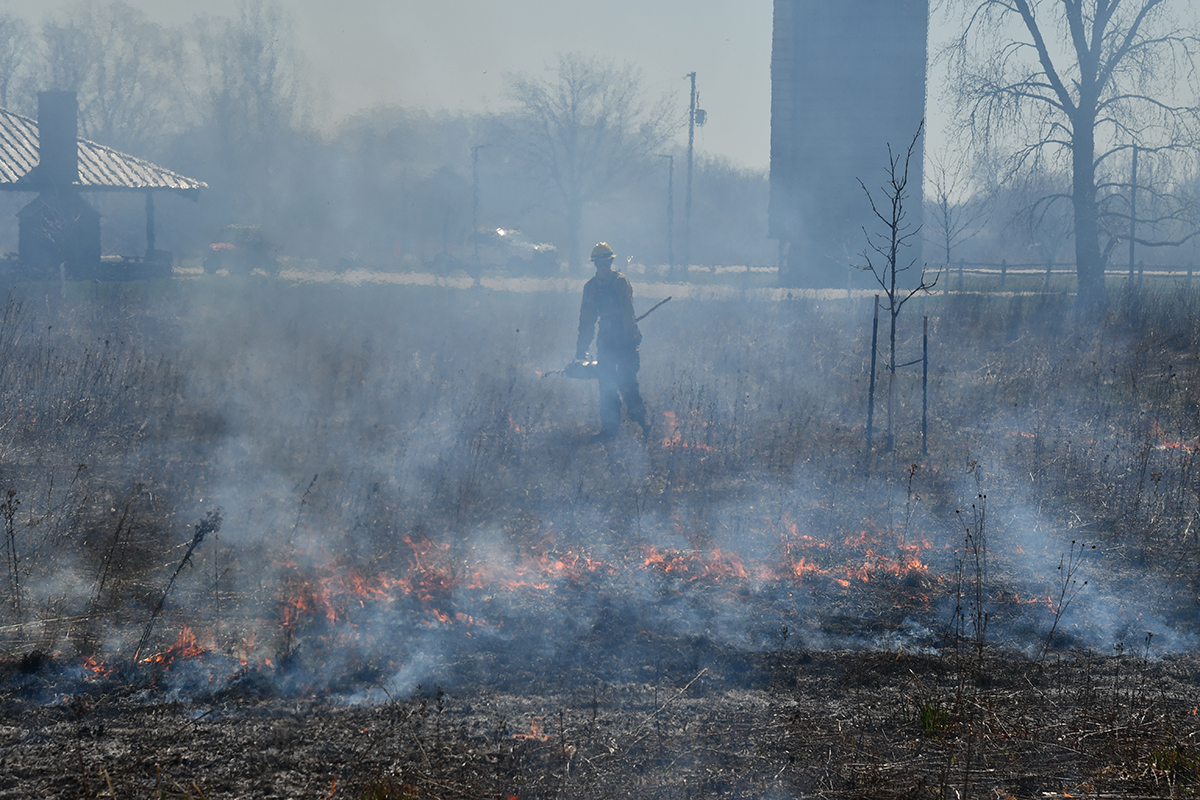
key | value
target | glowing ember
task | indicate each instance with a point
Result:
(1164, 443)
(674, 436)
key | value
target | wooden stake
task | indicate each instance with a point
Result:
(871, 390)
(925, 390)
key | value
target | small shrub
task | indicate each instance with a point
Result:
(1176, 763)
(933, 717)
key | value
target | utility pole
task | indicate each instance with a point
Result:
(670, 213)
(687, 212)
(475, 197)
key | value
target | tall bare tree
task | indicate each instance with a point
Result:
(17, 49)
(124, 68)
(1071, 86)
(252, 92)
(587, 131)
(885, 255)
(253, 80)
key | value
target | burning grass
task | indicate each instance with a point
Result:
(406, 504)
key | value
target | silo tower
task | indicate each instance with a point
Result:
(847, 80)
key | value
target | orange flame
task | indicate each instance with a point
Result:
(321, 599)
(865, 555)
(535, 731)
(186, 646)
(98, 669)
(694, 565)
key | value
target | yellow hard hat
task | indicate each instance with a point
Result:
(602, 252)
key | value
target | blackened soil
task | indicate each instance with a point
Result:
(706, 722)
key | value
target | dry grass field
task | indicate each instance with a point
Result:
(268, 538)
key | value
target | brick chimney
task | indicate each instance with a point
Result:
(58, 138)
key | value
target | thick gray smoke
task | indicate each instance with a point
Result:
(405, 501)
(410, 495)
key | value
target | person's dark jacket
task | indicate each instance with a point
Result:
(609, 300)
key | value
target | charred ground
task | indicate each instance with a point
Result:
(428, 582)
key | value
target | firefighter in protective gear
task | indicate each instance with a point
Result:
(608, 298)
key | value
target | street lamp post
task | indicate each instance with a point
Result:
(670, 213)
(475, 197)
(696, 116)
(687, 203)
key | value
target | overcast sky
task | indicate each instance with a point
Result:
(454, 54)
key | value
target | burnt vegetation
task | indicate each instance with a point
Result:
(417, 578)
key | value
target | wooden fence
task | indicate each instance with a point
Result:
(1003, 271)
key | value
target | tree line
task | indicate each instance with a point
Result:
(1077, 137)
(231, 101)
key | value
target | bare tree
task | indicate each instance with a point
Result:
(252, 80)
(959, 207)
(124, 68)
(587, 132)
(251, 89)
(16, 51)
(884, 255)
(1070, 85)
(1021, 225)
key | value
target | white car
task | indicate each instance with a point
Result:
(510, 248)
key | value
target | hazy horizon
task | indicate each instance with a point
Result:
(374, 53)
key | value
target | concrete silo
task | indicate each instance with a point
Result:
(847, 80)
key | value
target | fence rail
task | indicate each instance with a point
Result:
(1003, 270)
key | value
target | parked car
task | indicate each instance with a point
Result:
(241, 249)
(513, 250)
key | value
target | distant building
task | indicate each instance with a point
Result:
(847, 80)
(59, 230)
